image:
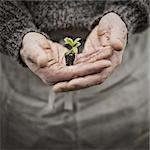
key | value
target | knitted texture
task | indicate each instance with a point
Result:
(15, 22)
(135, 13)
(19, 18)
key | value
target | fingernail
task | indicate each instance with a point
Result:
(57, 90)
(117, 44)
(109, 63)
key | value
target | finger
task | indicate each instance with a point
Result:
(89, 68)
(37, 55)
(42, 60)
(105, 40)
(101, 53)
(58, 51)
(59, 74)
(106, 53)
(103, 27)
(85, 55)
(80, 83)
(61, 51)
(92, 41)
(54, 50)
(103, 32)
(118, 37)
(116, 42)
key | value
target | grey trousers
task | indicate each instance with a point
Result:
(113, 115)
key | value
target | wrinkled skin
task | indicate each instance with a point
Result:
(110, 33)
(102, 53)
(46, 59)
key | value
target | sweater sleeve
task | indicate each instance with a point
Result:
(15, 22)
(135, 13)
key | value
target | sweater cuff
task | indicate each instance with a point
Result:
(11, 36)
(16, 32)
(134, 14)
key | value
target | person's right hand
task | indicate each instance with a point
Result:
(46, 59)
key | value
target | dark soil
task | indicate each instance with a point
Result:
(70, 59)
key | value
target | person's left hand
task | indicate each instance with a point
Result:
(111, 32)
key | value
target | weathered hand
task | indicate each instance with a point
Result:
(112, 31)
(46, 59)
(110, 36)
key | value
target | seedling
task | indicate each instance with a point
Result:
(72, 45)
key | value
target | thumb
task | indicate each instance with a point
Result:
(42, 59)
(118, 38)
(116, 43)
(38, 56)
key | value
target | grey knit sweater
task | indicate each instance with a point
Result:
(20, 17)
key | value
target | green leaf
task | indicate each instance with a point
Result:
(74, 50)
(77, 40)
(77, 44)
(67, 53)
(69, 41)
(74, 44)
